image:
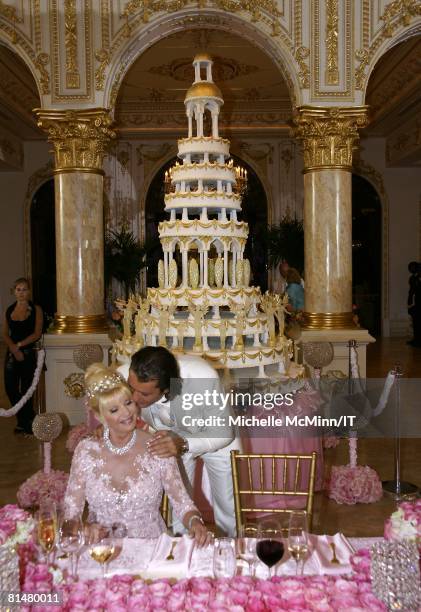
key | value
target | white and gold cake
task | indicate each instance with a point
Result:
(204, 304)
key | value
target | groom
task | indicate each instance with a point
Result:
(159, 383)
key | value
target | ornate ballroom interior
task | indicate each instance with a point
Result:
(322, 106)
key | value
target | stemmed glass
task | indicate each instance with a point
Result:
(101, 545)
(71, 540)
(47, 529)
(246, 545)
(298, 538)
(224, 559)
(270, 548)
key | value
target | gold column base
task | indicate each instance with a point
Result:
(84, 324)
(328, 320)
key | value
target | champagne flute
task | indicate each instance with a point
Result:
(246, 545)
(298, 545)
(47, 529)
(71, 540)
(269, 547)
(101, 546)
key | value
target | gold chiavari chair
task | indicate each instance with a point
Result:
(250, 478)
(166, 511)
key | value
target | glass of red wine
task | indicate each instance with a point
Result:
(270, 547)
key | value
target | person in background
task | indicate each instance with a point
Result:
(414, 301)
(280, 278)
(21, 329)
(295, 290)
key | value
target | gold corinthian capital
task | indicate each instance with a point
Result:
(329, 135)
(80, 137)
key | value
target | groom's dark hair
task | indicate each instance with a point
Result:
(157, 363)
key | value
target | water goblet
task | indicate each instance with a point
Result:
(71, 540)
(270, 547)
(246, 545)
(224, 559)
(298, 545)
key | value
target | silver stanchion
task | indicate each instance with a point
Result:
(396, 488)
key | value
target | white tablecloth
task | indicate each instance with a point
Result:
(148, 558)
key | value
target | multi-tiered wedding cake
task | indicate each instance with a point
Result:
(204, 303)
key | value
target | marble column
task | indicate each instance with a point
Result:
(329, 136)
(80, 139)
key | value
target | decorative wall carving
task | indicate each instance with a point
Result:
(80, 138)
(70, 41)
(301, 54)
(332, 19)
(329, 135)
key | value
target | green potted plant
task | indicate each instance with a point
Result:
(124, 259)
(286, 241)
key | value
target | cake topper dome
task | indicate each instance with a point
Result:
(203, 89)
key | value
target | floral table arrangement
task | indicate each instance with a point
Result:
(405, 523)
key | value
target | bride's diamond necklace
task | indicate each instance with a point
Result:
(118, 450)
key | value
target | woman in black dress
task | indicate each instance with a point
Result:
(22, 328)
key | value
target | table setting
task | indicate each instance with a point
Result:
(268, 567)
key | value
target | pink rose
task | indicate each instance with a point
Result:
(370, 601)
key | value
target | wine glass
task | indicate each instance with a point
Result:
(119, 532)
(71, 540)
(101, 545)
(47, 529)
(269, 547)
(298, 538)
(246, 545)
(224, 559)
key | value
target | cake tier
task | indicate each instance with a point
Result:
(202, 145)
(210, 229)
(207, 171)
(202, 199)
(253, 324)
(214, 296)
(249, 357)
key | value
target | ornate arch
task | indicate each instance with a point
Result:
(278, 48)
(35, 181)
(375, 178)
(32, 61)
(402, 20)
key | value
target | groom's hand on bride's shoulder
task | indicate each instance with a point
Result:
(166, 444)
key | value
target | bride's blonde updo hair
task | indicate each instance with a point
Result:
(103, 385)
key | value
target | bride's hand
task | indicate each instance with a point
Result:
(201, 535)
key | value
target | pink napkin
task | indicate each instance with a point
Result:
(322, 554)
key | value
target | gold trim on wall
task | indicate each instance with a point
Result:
(332, 33)
(70, 43)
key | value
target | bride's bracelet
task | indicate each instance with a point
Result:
(192, 518)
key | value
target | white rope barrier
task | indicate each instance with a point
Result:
(389, 382)
(8, 412)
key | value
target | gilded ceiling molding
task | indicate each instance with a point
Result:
(332, 19)
(9, 12)
(80, 137)
(70, 41)
(398, 13)
(301, 54)
(329, 135)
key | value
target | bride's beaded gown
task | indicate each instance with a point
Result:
(124, 489)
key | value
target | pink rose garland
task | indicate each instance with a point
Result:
(40, 486)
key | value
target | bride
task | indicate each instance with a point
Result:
(116, 475)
